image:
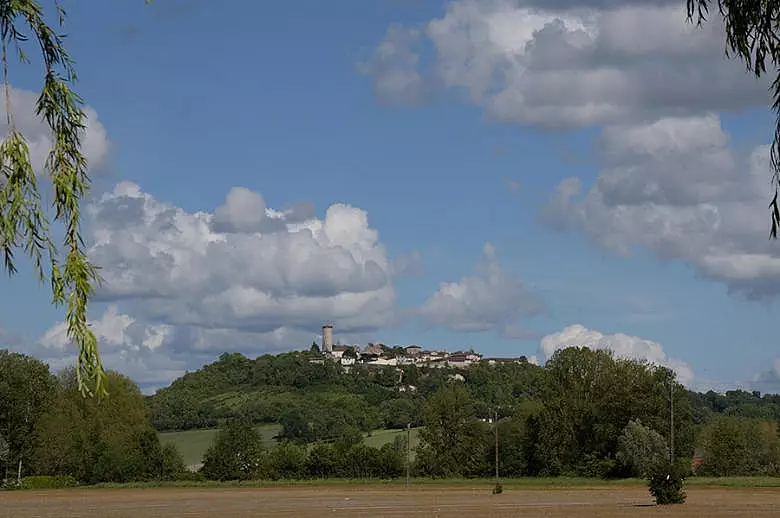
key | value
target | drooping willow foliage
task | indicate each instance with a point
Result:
(24, 224)
(752, 36)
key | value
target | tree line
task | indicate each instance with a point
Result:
(47, 427)
(585, 413)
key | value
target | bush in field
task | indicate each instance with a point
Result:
(237, 453)
(48, 482)
(665, 482)
(286, 460)
(322, 461)
(173, 467)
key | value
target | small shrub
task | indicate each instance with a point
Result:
(189, 476)
(498, 489)
(665, 482)
(48, 482)
(595, 467)
(9, 484)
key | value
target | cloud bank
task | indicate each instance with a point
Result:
(623, 346)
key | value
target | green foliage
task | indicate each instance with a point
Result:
(48, 482)
(589, 397)
(498, 488)
(453, 441)
(173, 467)
(666, 482)
(23, 221)
(4, 451)
(192, 444)
(738, 403)
(26, 392)
(735, 446)
(265, 389)
(93, 440)
(287, 461)
(512, 436)
(237, 453)
(322, 461)
(640, 448)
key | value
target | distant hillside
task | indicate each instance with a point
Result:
(318, 399)
(272, 389)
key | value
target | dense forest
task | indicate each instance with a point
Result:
(584, 413)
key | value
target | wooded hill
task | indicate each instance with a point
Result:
(274, 387)
(584, 413)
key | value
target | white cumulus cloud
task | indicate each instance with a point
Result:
(677, 187)
(491, 300)
(767, 380)
(624, 346)
(95, 143)
(182, 287)
(564, 64)
(244, 267)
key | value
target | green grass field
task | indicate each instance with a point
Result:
(192, 444)
(378, 438)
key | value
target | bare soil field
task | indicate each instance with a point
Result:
(385, 502)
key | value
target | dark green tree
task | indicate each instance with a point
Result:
(589, 397)
(295, 426)
(739, 446)
(287, 460)
(27, 390)
(452, 438)
(172, 466)
(237, 453)
(4, 454)
(109, 440)
(322, 461)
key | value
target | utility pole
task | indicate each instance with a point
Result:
(408, 451)
(495, 429)
(671, 421)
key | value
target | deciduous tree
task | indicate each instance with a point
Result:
(452, 438)
(237, 453)
(640, 448)
(97, 441)
(26, 391)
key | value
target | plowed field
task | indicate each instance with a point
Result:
(377, 502)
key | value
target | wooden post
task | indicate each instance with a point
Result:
(671, 422)
(408, 451)
(495, 428)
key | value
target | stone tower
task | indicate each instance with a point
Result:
(327, 338)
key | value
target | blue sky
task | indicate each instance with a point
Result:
(447, 141)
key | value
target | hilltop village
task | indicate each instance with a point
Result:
(381, 354)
